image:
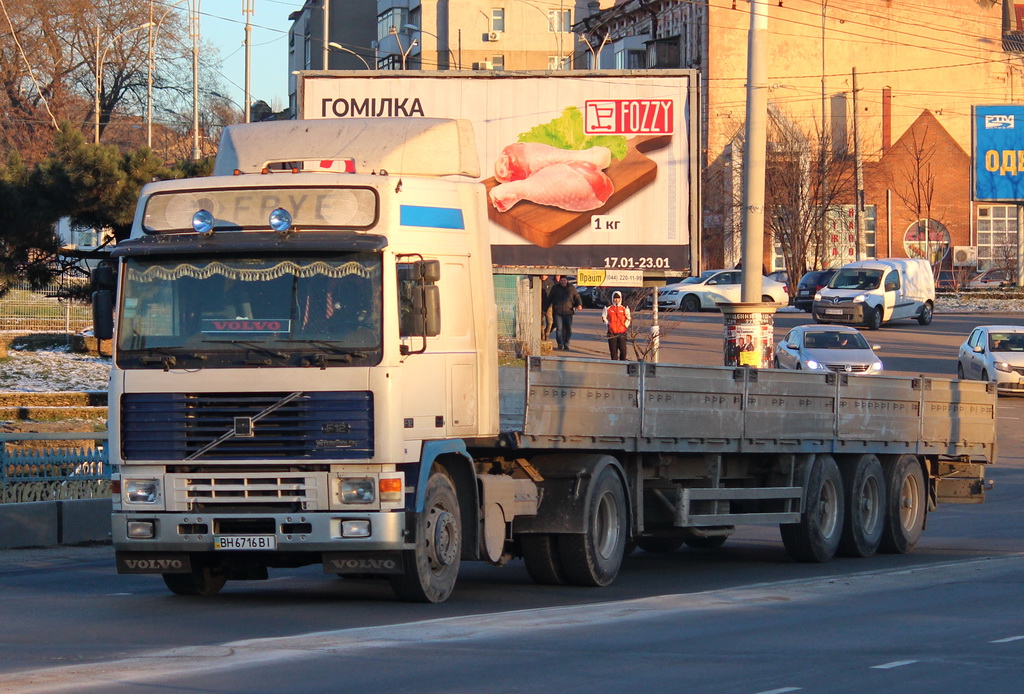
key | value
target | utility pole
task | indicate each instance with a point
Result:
(247, 10)
(858, 206)
(327, 33)
(194, 27)
(755, 153)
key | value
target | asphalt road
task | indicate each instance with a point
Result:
(743, 619)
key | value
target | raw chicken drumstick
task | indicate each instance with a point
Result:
(522, 159)
(575, 186)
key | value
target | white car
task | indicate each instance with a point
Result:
(826, 348)
(994, 353)
(716, 286)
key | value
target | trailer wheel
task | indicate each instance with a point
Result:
(864, 507)
(659, 544)
(431, 568)
(593, 558)
(815, 538)
(540, 554)
(905, 504)
(201, 581)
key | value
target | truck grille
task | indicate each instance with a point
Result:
(313, 426)
(225, 488)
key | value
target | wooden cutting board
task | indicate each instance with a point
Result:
(547, 226)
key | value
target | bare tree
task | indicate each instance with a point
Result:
(914, 185)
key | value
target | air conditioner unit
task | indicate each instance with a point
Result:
(965, 255)
(483, 65)
(494, 36)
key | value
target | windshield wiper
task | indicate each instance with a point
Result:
(255, 346)
(342, 354)
(166, 357)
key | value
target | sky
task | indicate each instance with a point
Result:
(222, 23)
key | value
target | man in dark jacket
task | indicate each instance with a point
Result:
(546, 322)
(565, 301)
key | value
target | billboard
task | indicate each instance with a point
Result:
(582, 169)
(998, 168)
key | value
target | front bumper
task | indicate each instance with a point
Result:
(293, 532)
(846, 312)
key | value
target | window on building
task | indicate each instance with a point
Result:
(997, 235)
(560, 21)
(390, 62)
(497, 19)
(928, 239)
(396, 17)
(630, 60)
(664, 54)
(497, 62)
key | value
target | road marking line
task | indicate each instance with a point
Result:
(895, 663)
(781, 691)
(1008, 639)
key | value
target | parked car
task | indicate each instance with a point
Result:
(826, 348)
(994, 353)
(633, 297)
(990, 278)
(809, 285)
(782, 276)
(715, 286)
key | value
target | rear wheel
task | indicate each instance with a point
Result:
(690, 303)
(540, 554)
(767, 299)
(905, 503)
(815, 538)
(593, 558)
(864, 507)
(430, 570)
(659, 544)
(201, 581)
(926, 314)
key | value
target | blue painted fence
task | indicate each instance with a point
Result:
(53, 472)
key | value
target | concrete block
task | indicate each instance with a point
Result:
(84, 520)
(29, 524)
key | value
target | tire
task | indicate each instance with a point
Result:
(863, 507)
(540, 554)
(430, 570)
(690, 303)
(659, 544)
(927, 313)
(960, 371)
(815, 538)
(593, 558)
(874, 320)
(767, 299)
(775, 363)
(201, 581)
(984, 374)
(905, 504)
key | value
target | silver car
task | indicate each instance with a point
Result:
(826, 348)
(994, 353)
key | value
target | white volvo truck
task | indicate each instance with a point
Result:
(305, 372)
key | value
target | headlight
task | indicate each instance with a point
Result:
(817, 296)
(877, 366)
(1003, 366)
(357, 491)
(815, 366)
(141, 491)
(860, 298)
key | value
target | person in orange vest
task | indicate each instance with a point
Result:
(617, 317)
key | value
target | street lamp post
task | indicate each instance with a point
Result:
(413, 27)
(194, 30)
(154, 30)
(339, 47)
(403, 51)
(100, 57)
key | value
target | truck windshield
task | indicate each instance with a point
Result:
(250, 311)
(856, 278)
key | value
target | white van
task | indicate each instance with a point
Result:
(872, 292)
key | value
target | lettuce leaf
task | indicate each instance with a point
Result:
(566, 132)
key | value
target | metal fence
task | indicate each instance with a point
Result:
(518, 308)
(30, 471)
(45, 310)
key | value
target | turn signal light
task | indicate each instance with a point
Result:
(390, 489)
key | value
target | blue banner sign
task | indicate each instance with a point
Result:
(998, 171)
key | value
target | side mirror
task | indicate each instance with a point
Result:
(103, 277)
(875, 348)
(103, 314)
(978, 349)
(793, 345)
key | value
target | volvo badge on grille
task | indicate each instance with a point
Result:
(243, 426)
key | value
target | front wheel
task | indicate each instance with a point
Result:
(984, 374)
(960, 371)
(874, 321)
(905, 505)
(690, 303)
(593, 558)
(815, 538)
(926, 314)
(200, 581)
(430, 570)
